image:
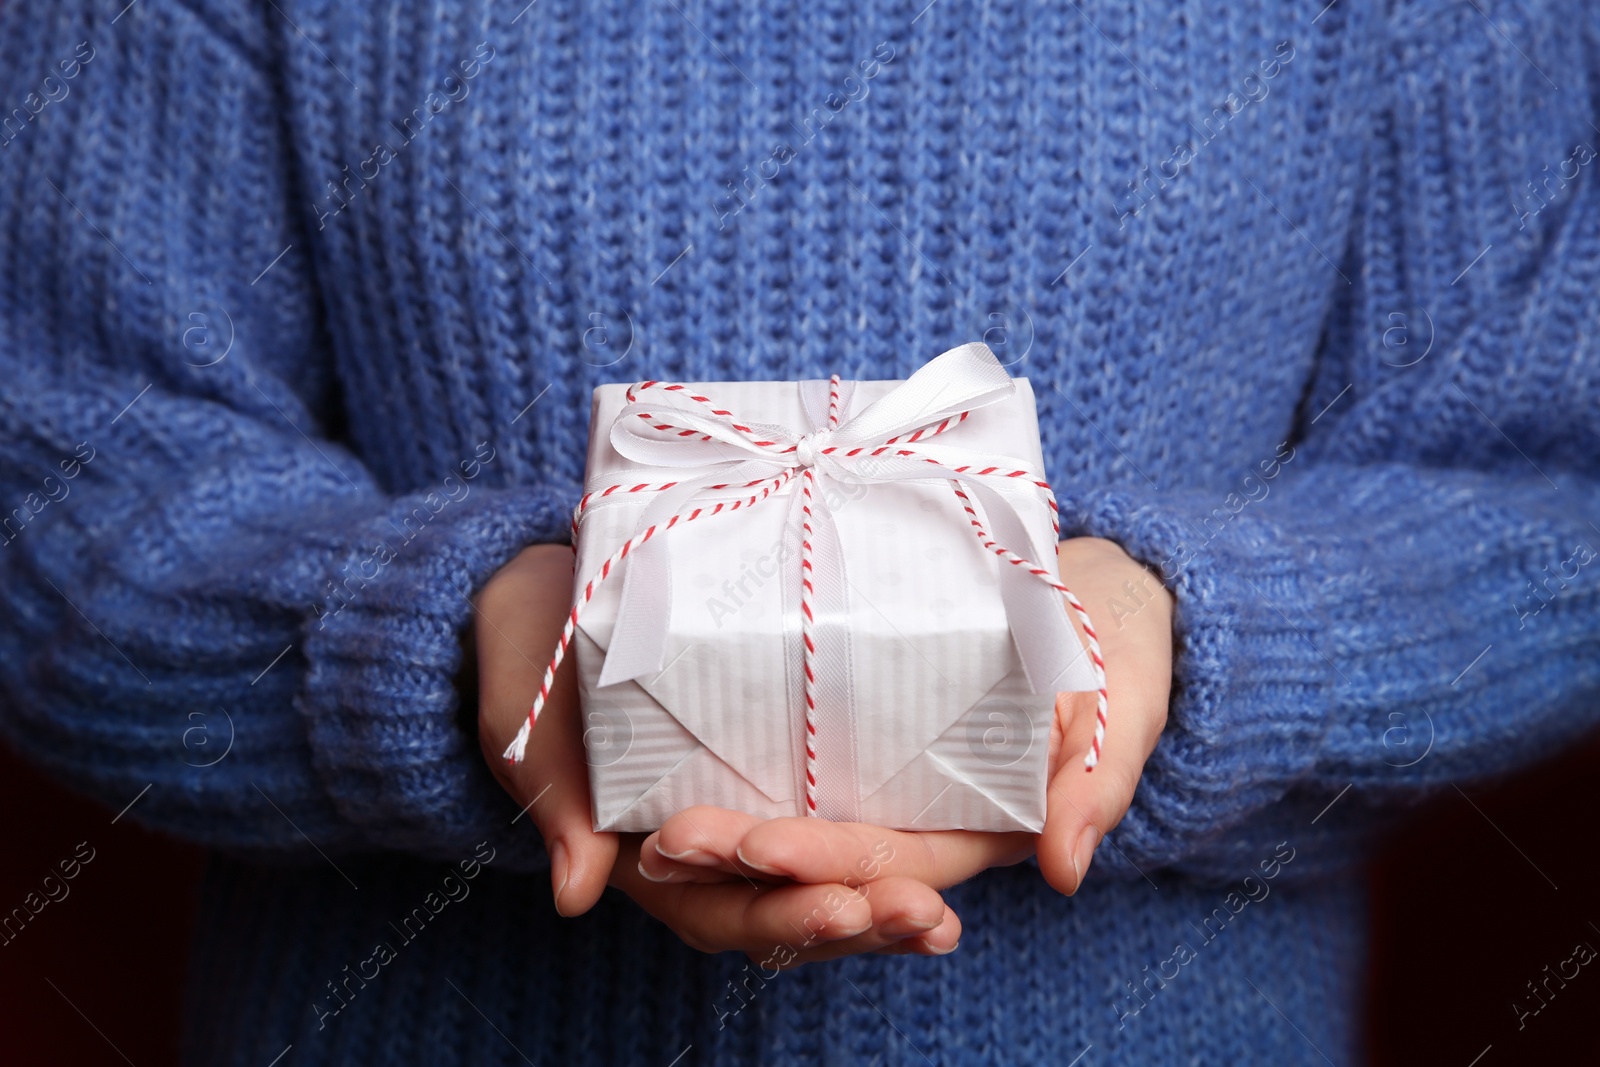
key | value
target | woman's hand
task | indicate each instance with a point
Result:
(520, 613)
(1136, 639)
(783, 922)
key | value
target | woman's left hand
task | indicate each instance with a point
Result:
(713, 844)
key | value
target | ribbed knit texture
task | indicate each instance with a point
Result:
(1385, 257)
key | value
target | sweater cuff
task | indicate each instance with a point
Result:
(392, 740)
(1251, 681)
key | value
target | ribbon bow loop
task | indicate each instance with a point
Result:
(962, 380)
(683, 428)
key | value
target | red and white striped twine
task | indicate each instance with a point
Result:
(582, 600)
(642, 487)
(1093, 640)
(807, 621)
(930, 429)
(807, 485)
(809, 660)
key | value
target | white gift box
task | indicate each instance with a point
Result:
(924, 639)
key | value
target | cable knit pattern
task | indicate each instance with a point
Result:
(301, 304)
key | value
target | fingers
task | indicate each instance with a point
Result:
(940, 941)
(555, 782)
(933, 931)
(518, 619)
(783, 925)
(1082, 805)
(699, 844)
(891, 870)
(816, 850)
(744, 916)
(920, 929)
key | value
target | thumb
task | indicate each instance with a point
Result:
(1083, 805)
(554, 779)
(520, 614)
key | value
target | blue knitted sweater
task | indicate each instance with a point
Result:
(300, 308)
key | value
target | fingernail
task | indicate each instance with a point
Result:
(762, 867)
(907, 926)
(670, 876)
(1088, 840)
(693, 856)
(935, 950)
(840, 932)
(558, 871)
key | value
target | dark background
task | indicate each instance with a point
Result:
(1463, 918)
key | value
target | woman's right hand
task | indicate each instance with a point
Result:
(520, 613)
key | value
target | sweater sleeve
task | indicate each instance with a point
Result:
(213, 614)
(1404, 594)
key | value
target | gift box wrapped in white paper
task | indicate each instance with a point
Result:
(934, 660)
